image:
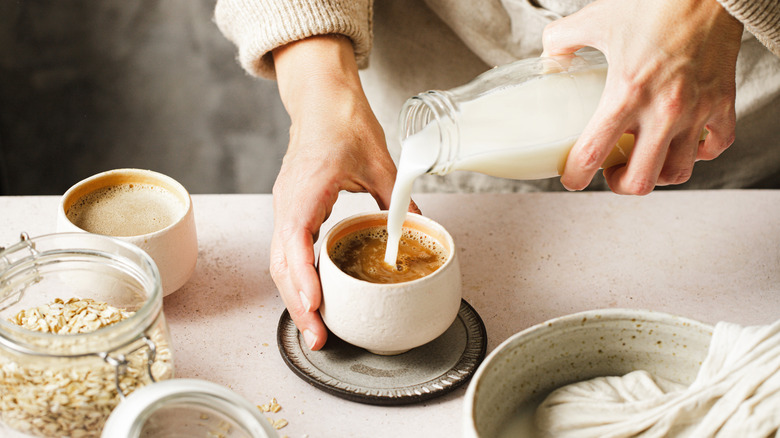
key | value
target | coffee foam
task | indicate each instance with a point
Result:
(412, 263)
(126, 210)
(380, 233)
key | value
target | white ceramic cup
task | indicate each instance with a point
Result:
(608, 342)
(389, 318)
(173, 248)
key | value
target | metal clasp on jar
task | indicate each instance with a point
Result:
(12, 295)
(120, 362)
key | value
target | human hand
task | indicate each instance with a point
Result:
(336, 144)
(671, 73)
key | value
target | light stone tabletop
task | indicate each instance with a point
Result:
(526, 258)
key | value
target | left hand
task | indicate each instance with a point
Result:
(672, 66)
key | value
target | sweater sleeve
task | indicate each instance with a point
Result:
(760, 17)
(257, 27)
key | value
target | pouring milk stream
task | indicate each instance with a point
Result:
(517, 121)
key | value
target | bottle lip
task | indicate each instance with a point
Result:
(30, 254)
(429, 108)
(128, 419)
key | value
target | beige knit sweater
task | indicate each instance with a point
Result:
(259, 26)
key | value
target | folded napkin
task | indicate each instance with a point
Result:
(736, 394)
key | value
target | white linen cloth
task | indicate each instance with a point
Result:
(735, 394)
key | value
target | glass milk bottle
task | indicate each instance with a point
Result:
(516, 121)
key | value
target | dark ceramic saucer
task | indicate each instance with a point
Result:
(420, 374)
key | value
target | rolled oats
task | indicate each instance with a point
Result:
(280, 423)
(74, 401)
(273, 406)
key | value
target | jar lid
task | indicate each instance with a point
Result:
(186, 407)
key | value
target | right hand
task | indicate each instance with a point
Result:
(671, 74)
(336, 143)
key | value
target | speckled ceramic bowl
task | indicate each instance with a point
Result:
(611, 342)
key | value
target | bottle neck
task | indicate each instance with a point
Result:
(435, 113)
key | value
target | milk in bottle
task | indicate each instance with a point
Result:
(517, 121)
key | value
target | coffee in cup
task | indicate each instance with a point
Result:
(361, 255)
(129, 209)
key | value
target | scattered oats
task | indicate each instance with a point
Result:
(280, 423)
(204, 417)
(71, 400)
(272, 406)
(224, 425)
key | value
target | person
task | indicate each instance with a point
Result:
(674, 69)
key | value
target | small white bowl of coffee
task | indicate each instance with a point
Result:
(146, 208)
(388, 309)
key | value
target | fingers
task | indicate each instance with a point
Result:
(292, 269)
(664, 87)
(680, 158)
(664, 153)
(413, 208)
(594, 145)
(641, 174)
(722, 129)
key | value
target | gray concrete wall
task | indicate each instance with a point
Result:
(87, 86)
(93, 85)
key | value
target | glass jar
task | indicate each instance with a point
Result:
(56, 383)
(187, 408)
(515, 121)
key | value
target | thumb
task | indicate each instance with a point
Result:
(568, 34)
(382, 191)
(379, 181)
(383, 194)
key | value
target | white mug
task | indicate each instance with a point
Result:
(389, 318)
(174, 248)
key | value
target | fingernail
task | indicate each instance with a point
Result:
(310, 338)
(305, 301)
